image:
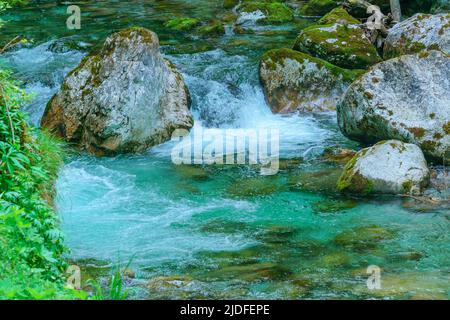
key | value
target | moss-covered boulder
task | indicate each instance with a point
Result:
(182, 24)
(318, 7)
(341, 42)
(405, 98)
(388, 167)
(338, 15)
(125, 98)
(296, 81)
(265, 12)
(422, 31)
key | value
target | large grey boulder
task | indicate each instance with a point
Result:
(294, 81)
(124, 99)
(405, 98)
(391, 167)
(421, 31)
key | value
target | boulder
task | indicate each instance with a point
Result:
(338, 39)
(422, 31)
(405, 98)
(391, 166)
(124, 99)
(293, 81)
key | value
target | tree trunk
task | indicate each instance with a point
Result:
(396, 10)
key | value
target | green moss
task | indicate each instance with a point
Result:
(344, 46)
(278, 56)
(229, 4)
(182, 24)
(337, 15)
(275, 12)
(351, 180)
(318, 7)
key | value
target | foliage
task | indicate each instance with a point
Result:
(31, 244)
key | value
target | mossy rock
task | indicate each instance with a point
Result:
(336, 259)
(338, 155)
(275, 12)
(224, 226)
(318, 7)
(363, 238)
(338, 15)
(294, 80)
(191, 172)
(251, 272)
(251, 187)
(333, 205)
(277, 234)
(214, 28)
(322, 181)
(344, 45)
(182, 24)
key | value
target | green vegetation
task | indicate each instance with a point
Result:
(318, 7)
(182, 24)
(31, 244)
(274, 11)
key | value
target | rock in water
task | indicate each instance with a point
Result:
(124, 99)
(388, 167)
(338, 39)
(405, 98)
(296, 81)
(422, 31)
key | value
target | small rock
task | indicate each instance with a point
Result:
(387, 167)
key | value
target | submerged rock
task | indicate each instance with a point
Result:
(363, 238)
(296, 81)
(126, 98)
(338, 39)
(405, 98)
(422, 31)
(387, 167)
(214, 28)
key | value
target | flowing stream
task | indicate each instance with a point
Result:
(223, 231)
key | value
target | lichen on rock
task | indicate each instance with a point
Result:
(422, 31)
(404, 98)
(296, 81)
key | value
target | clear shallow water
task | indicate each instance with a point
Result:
(221, 231)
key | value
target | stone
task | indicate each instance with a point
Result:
(391, 167)
(422, 31)
(405, 98)
(126, 98)
(294, 81)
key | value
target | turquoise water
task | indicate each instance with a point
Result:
(225, 231)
